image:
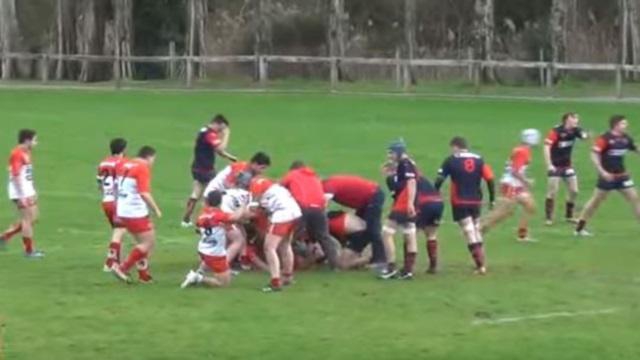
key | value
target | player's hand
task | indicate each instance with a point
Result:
(158, 213)
(411, 211)
(22, 202)
(552, 169)
(607, 176)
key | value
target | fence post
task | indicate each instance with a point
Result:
(172, 62)
(398, 71)
(406, 67)
(44, 68)
(334, 72)
(477, 69)
(189, 72)
(263, 70)
(117, 69)
(549, 77)
(619, 71)
(470, 66)
(541, 68)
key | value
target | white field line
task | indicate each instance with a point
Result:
(561, 314)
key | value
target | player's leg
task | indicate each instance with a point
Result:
(196, 193)
(553, 184)
(237, 242)
(429, 218)
(115, 247)
(29, 215)
(504, 209)
(409, 234)
(271, 243)
(631, 195)
(317, 225)
(388, 233)
(572, 196)
(471, 230)
(431, 234)
(599, 195)
(145, 238)
(372, 215)
(285, 250)
(527, 202)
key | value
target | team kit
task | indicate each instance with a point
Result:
(250, 222)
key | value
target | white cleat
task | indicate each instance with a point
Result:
(548, 222)
(106, 269)
(583, 233)
(119, 274)
(527, 240)
(192, 278)
(186, 224)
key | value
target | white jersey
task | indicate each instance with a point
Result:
(107, 178)
(213, 232)
(219, 182)
(20, 167)
(280, 205)
(234, 200)
(133, 179)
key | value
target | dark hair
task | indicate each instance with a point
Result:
(261, 158)
(220, 119)
(615, 120)
(566, 117)
(214, 198)
(146, 152)
(459, 142)
(25, 135)
(117, 146)
(296, 165)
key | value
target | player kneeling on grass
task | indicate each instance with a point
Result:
(350, 230)
(608, 157)
(516, 188)
(213, 225)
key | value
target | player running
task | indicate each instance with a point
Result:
(608, 157)
(211, 140)
(467, 170)
(133, 204)
(367, 199)
(107, 183)
(213, 225)
(22, 193)
(226, 178)
(283, 213)
(516, 188)
(306, 188)
(557, 155)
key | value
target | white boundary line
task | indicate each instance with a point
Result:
(561, 314)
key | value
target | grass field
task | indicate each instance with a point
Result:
(64, 307)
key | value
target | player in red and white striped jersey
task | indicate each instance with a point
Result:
(23, 193)
(107, 183)
(133, 203)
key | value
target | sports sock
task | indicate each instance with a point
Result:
(569, 209)
(136, 255)
(432, 251)
(275, 282)
(28, 244)
(114, 254)
(143, 270)
(581, 225)
(522, 233)
(477, 253)
(548, 208)
(409, 261)
(11, 232)
(191, 204)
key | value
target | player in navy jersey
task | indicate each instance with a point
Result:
(608, 157)
(467, 170)
(211, 140)
(557, 154)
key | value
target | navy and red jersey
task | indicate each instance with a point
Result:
(204, 155)
(561, 141)
(405, 171)
(466, 170)
(612, 149)
(350, 191)
(426, 192)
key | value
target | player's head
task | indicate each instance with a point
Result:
(530, 137)
(259, 163)
(458, 143)
(219, 122)
(396, 150)
(118, 146)
(570, 120)
(297, 164)
(214, 198)
(259, 185)
(243, 180)
(618, 123)
(28, 138)
(147, 153)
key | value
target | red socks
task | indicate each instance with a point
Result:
(113, 257)
(135, 256)
(409, 261)
(28, 244)
(570, 206)
(523, 233)
(275, 282)
(191, 205)
(143, 270)
(432, 251)
(477, 253)
(548, 208)
(13, 231)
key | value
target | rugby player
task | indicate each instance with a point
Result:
(350, 230)
(211, 140)
(516, 188)
(213, 224)
(107, 184)
(608, 158)
(467, 170)
(557, 155)
(132, 209)
(227, 177)
(23, 194)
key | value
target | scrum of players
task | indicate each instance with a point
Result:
(250, 222)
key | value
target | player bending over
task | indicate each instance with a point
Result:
(213, 224)
(211, 140)
(516, 188)
(227, 177)
(608, 157)
(557, 155)
(350, 230)
(467, 170)
(22, 193)
(134, 201)
(107, 185)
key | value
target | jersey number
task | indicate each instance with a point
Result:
(469, 165)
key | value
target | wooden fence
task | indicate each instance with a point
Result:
(402, 66)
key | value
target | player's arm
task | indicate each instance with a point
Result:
(412, 189)
(225, 154)
(143, 180)
(599, 147)
(489, 178)
(551, 139)
(443, 173)
(150, 201)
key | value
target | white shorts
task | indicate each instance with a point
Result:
(286, 215)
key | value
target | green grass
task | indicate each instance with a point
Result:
(65, 308)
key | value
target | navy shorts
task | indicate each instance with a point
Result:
(461, 212)
(357, 242)
(203, 177)
(401, 218)
(429, 214)
(621, 183)
(563, 173)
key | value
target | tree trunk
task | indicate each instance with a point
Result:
(202, 8)
(262, 34)
(410, 39)
(90, 35)
(558, 26)
(634, 20)
(484, 35)
(337, 36)
(66, 38)
(9, 35)
(123, 35)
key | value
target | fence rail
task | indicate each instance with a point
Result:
(473, 66)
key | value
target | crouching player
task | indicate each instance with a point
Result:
(213, 224)
(515, 188)
(350, 230)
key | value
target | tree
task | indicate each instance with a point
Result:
(558, 31)
(484, 34)
(123, 35)
(9, 34)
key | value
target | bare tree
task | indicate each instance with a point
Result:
(337, 34)
(263, 43)
(558, 30)
(90, 36)
(123, 35)
(9, 35)
(410, 39)
(484, 34)
(634, 24)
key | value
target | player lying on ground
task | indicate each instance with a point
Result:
(211, 140)
(608, 158)
(22, 193)
(134, 201)
(226, 178)
(214, 224)
(516, 188)
(467, 170)
(107, 186)
(557, 155)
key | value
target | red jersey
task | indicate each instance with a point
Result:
(107, 176)
(305, 186)
(134, 178)
(350, 191)
(20, 168)
(517, 164)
